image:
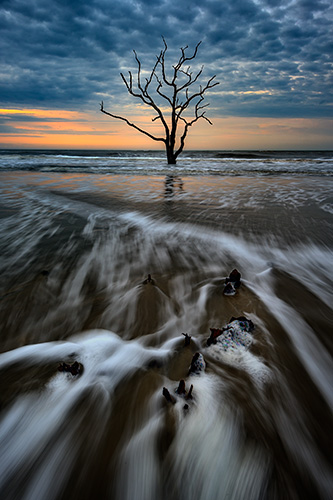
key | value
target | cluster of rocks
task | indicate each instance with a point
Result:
(198, 365)
(231, 335)
(234, 335)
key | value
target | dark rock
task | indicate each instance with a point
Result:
(215, 332)
(229, 289)
(198, 364)
(73, 368)
(234, 278)
(149, 280)
(167, 395)
(181, 387)
(187, 339)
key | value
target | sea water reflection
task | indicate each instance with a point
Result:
(173, 183)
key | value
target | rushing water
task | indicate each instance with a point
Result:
(76, 249)
(153, 162)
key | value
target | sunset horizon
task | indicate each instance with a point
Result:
(66, 129)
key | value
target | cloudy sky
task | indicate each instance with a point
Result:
(60, 58)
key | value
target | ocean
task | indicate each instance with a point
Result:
(154, 162)
(108, 258)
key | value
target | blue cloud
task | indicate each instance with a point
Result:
(66, 55)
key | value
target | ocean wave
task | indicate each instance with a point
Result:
(231, 163)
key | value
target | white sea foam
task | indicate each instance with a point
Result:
(217, 463)
(38, 419)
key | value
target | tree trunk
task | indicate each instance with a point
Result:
(170, 156)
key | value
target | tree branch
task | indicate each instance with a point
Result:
(162, 63)
(143, 94)
(200, 94)
(132, 125)
(183, 57)
(158, 90)
(190, 79)
(189, 124)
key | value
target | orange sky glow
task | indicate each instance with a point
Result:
(78, 130)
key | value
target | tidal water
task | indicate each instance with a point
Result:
(153, 162)
(77, 245)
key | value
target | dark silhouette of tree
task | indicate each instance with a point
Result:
(184, 105)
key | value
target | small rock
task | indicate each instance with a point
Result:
(187, 339)
(168, 396)
(198, 364)
(73, 368)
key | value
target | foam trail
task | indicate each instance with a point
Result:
(41, 434)
(209, 456)
(290, 419)
(315, 357)
(138, 473)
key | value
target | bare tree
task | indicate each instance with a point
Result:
(175, 91)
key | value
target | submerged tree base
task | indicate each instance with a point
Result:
(172, 160)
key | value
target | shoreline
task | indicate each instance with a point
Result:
(286, 210)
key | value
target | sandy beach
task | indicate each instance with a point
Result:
(76, 253)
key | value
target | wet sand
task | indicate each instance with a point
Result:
(75, 260)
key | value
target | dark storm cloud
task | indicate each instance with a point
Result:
(272, 57)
